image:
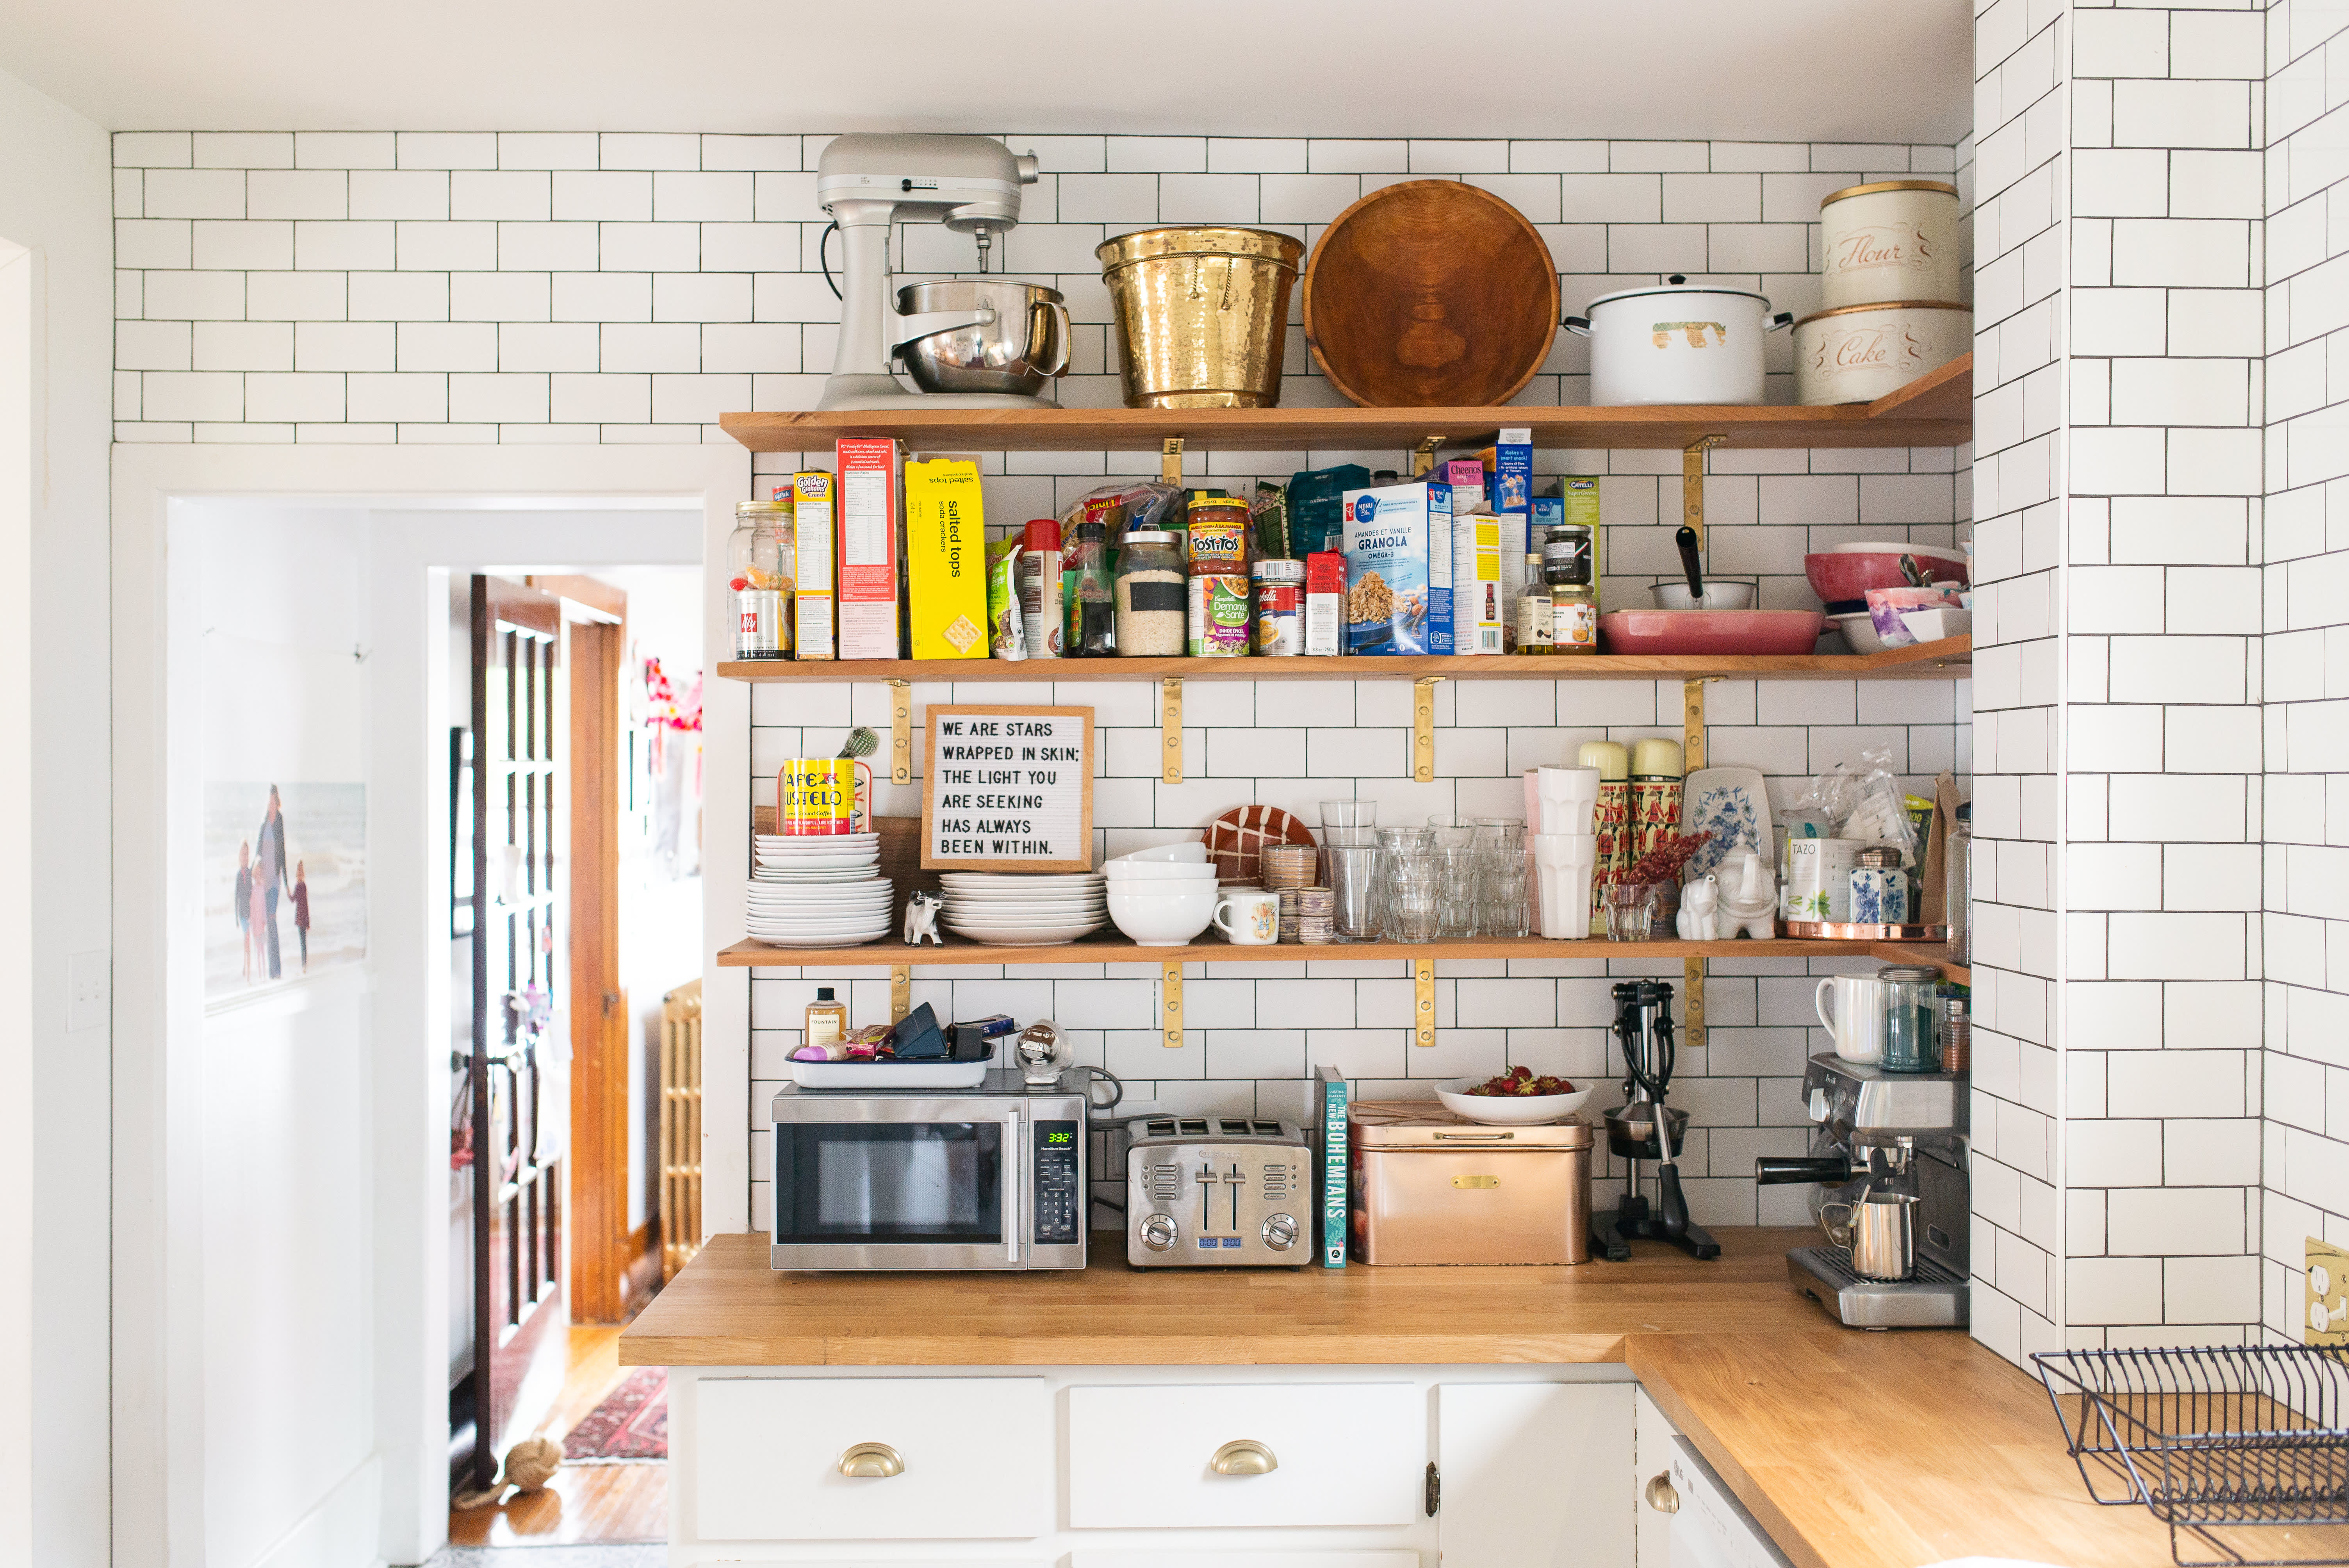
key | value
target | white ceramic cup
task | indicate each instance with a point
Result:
(1562, 868)
(1254, 918)
(1856, 1019)
(1567, 796)
(1818, 879)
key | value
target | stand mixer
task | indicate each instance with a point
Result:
(1646, 1129)
(867, 184)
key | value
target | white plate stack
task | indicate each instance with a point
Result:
(817, 891)
(1037, 909)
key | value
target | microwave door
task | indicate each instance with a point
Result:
(938, 1189)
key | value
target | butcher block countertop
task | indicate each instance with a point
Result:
(727, 1308)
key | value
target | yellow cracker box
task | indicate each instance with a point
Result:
(945, 560)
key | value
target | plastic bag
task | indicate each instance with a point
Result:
(1865, 800)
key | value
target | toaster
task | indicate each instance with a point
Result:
(1218, 1192)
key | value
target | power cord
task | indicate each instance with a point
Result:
(822, 261)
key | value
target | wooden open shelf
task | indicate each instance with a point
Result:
(1924, 953)
(1108, 946)
(1950, 658)
(1934, 410)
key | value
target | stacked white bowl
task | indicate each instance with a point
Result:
(1162, 897)
(1035, 909)
(817, 890)
(1564, 850)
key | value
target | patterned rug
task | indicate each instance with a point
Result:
(630, 1425)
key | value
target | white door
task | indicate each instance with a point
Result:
(1533, 1474)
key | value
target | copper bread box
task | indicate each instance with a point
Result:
(1428, 1187)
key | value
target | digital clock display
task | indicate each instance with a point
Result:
(1059, 1137)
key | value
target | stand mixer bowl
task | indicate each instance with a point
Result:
(1020, 352)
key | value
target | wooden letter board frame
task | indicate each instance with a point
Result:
(930, 718)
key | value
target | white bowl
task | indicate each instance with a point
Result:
(1859, 632)
(1202, 887)
(1163, 921)
(1932, 625)
(1717, 595)
(1193, 853)
(1514, 1110)
(1161, 873)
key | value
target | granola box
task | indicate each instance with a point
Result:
(1399, 569)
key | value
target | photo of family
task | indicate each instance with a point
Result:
(285, 883)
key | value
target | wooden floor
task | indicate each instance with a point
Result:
(583, 1505)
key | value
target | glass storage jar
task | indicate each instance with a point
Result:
(1911, 1005)
(1151, 595)
(759, 562)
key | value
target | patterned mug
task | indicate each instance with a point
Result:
(821, 795)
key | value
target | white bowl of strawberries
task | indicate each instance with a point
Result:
(1518, 1097)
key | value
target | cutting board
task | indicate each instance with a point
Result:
(1430, 294)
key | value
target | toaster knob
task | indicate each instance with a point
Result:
(1158, 1232)
(1280, 1233)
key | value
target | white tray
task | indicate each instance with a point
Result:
(889, 1075)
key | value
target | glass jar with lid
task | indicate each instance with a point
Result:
(758, 572)
(1153, 594)
(1911, 1005)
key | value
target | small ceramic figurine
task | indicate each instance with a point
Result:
(1698, 919)
(922, 919)
(1749, 897)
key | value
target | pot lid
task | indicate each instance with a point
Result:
(1426, 1124)
(1677, 283)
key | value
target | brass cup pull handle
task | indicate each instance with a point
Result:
(1244, 1456)
(1661, 1495)
(870, 1461)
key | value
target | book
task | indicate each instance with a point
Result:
(1335, 1155)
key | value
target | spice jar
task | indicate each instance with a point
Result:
(759, 559)
(1150, 595)
(1279, 608)
(1093, 600)
(1533, 625)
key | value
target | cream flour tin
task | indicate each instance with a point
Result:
(1892, 240)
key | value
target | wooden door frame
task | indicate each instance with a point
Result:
(601, 1043)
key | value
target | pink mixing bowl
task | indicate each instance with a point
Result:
(1836, 578)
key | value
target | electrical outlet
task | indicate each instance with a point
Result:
(89, 987)
(2325, 1295)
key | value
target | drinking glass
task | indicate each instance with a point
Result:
(1408, 910)
(1354, 885)
(1501, 896)
(1348, 813)
(1631, 910)
(1460, 867)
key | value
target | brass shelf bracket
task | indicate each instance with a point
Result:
(1422, 728)
(1170, 459)
(1170, 1019)
(1692, 483)
(1692, 751)
(901, 991)
(1423, 457)
(901, 732)
(1170, 729)
(1422, 1011)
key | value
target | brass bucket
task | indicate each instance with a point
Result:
(1202, 314)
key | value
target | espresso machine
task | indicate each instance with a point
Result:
(1645, 1129)
(1888, 1161)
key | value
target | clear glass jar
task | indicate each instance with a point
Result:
(1093, 598)
(759, 562)
(1912, 1005)
(1958, 884)
(1152, 596)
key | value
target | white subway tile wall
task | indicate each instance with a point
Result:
(624, 288)
(2303, 1163)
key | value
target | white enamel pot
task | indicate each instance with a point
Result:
(1678, 343)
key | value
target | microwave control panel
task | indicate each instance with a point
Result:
(1059, 1201)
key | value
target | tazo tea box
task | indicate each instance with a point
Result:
(945, 560)
(812, 602)
(1399, 569)
(867, 558)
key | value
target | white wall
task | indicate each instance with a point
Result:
(55, 352)
(2306, 1168)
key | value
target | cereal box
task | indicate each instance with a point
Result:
(945, 560)
(810, 493)
(866, 562)
(1399, 569)
(1477, 608)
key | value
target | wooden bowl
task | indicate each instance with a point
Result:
(1431, 294)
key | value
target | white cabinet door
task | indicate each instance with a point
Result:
(1144, 1457)
(1533, 1474)
(973, 1457)
(1651, 1444)
(1240, 1560)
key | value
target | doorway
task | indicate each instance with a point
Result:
(575, 932)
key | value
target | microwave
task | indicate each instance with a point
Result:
(991, 1177)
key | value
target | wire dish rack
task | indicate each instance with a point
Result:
(2219, 1443)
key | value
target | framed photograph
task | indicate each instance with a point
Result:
(1007, 789)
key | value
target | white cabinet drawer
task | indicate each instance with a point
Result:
(976, 1456)
(1144, 1457)
(1241, 1560)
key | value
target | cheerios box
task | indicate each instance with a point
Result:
(1399, 569)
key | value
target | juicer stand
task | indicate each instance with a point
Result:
(1668, 1221)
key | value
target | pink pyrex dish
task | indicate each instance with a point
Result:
(1710, 630)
